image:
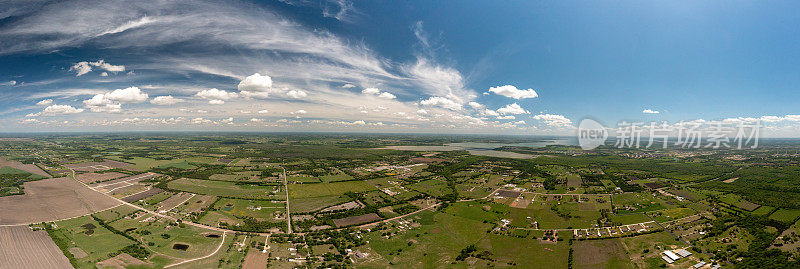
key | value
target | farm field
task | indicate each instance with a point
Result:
(327, 189)
(51, 199)
(25, 248)
(223, 189)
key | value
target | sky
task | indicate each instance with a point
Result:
(483, 67)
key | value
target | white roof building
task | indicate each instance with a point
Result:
(671, 255)
(684, 253)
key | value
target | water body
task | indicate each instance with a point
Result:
(487, 149)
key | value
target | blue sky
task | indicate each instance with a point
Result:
(406, 66)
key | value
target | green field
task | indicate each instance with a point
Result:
(785, 215)
(85, 233)
(328, 189)
(223, 188)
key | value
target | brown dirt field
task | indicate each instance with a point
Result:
(94, 177)
(749, 206)
(608, 253)
(521, 203)
(23, 248)
(52, 199)
(30, 168)
(574, 182)
(204, 201)
(173, 201)
(109, 185)
(255, 260)
(345, 206)
(120, 261)
(356, 220)
(508, 194)
(142, 195)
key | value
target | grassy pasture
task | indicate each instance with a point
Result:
(785, 215)
(223, 188)
(327, 189)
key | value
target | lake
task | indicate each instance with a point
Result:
(487, 149)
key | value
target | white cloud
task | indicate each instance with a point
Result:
(441, 102)
(512, 92)
(475, 105)
(59, 110)
(650, 111)
(422, 112)
(296, 94)
(554, 120)
(264, 111)
(490, 112)
(165, 100)
(256, 120)
(256, 83)
(104, 74)
(371, 91)
(508, 117)
(216, 96)
(45, 102)
(386, 95)
(359, 122)
(522, 122)
(108, 67)
(127, 95)
(112, 101)
(512, 109)
(437, 80)
(299, 112)
(81, 68)
(348, 85)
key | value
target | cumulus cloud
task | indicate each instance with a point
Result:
(348, 85)
(216, 96)
(475, 105)
(512, 109)
(165, 100)
(422, 112)
(371, 91)
(508, 117)
(296, 94)
(261, 86)
(299, 112)
(490, 112)
(264, 111)
(376, 91)
(554, 120)
(386, 95)
(45, 102)
(112, 101)
(54, 110)
(650, 111)
(441, 102)
(127, 95)
(512, 92)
